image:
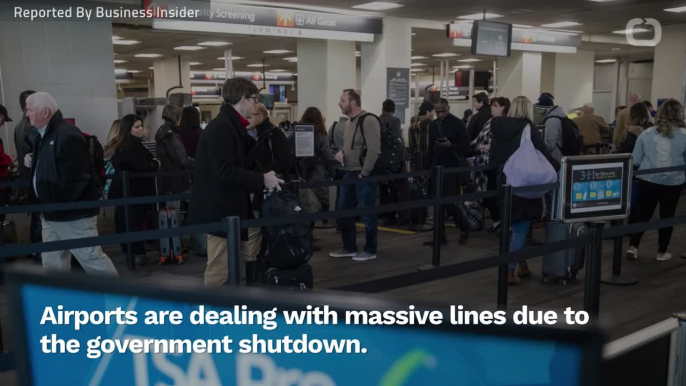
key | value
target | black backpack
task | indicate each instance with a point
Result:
(289, 245)
(572, 140)
(391, 157)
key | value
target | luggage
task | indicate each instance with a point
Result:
(563, 265)
(170, 248)
(472, 213)
(392, 153)
(299, 278)
(289, 245)
(199, 244)
(528, 167)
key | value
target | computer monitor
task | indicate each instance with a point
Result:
(267, 100)
(489, 38)
(181, 100)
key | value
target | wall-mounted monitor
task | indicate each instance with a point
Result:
(490, 38)
(181, 100)
(267, 100)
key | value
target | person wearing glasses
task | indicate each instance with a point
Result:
(222, 182)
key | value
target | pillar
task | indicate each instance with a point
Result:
(669, 71)
(167, 76)
(520, 74)
(326, 68)
(574, 79)
(392, 49)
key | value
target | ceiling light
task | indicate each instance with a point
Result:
(151, 68)
(277, 52)
(606, 61)
(189, 48)
(601, 1)
(633, 30)
(120, 71)
(561, 24)
(214, 44)
(616, 49)
(676, 10)
(470, 60)
(291, 58)
(117, 38)
(119, 61)
(413, 33)
(134, 71)
(195, 63)
(277, 70)
(125, 42)
(358, 54)
(295, 74)
(148, 55)
(219, 69)
(417, 64)
(257, 65)
(465, 66)
(480, 16)
(522, 26)
(416, 70)
(445, 55)
(378, 6)
(232, 58)
(418, 57)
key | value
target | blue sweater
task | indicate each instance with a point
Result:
(653, 150)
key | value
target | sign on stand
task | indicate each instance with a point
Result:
(398, 90)
(304, 141)
(594, 188)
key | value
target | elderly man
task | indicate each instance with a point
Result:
(591, 126)
(61, 173)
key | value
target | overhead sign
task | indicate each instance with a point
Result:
(271, 21)
(595, 188)
(254, 76)
(398, 90)
(523, 39)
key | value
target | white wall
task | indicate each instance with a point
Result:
(670, 65)
(548, 72)
(604, 77)
(574, 79)
(73, 61)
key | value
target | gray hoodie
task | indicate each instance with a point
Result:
(553, 132)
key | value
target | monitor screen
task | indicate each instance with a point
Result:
(267, 100)
(490, 38)
(181, 100)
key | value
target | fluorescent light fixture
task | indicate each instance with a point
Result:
(120, 71)
(634, 30)
(125, 42)
(522, 26)
(260, 65)
(134, 71)
(277, 52)
(416, 70)
(291, 58)
(214, 44)
(147, 55)
(562, 24)
(480, 16)
(119, 61)
(117, 38)
(195, 63)
(232, 58)
(151, 68)
(418, 57)
(606, 61)
(378, 6)
(445, 55)
(219, 69)
(279, 70)
(417, 64)
(616, 49)
(601, 1)
(676, 10)
(295, 74)
(189, 48)
(470, 60)
(414, 33)
(358, 54)
(465, 66)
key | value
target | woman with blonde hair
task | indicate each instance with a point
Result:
(661, 146)
(113, 140)
(506, 139)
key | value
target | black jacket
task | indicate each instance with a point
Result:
(507, 135)
(62, 167)
(222, 182)
(133, 157)
(271, 152)
(478, 121)
(172, 155)
(454, 130)
(24, 137)
(389, 120)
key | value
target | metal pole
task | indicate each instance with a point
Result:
(616, 277)
(233, 248)
(495, 78)
(130, 259)
(505, 222)
(593, 268)
(438, 216)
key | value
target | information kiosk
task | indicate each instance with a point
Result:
(388, 355)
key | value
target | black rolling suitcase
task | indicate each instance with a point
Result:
(563, 266)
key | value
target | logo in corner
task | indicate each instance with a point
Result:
(403, 369)
(631, 29)
(285, 19)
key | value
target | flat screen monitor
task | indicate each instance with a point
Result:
(389, 355)
(267, 100)
(279, 92)
(181, 100)
(490, 38)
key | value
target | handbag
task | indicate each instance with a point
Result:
(529, 167)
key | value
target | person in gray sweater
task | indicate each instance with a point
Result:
(553, 126)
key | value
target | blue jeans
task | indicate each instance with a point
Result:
(518, 241)
(358, 196)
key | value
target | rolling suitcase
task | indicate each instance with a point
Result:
(170, 247)
(299, 278)
(563, 265)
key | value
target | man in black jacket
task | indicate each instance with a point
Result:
(222, 182)
(448, 144)
(481, 105)
(61, 173)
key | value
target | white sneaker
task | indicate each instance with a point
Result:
(364, 256)
(632, 253)
(342, 253)
(664, 256)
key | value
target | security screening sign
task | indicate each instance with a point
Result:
(280, 353)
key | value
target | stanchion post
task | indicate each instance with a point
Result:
(616, 277)
(232, 225)
(505, 222)
(130, 259)
(438, 216)
(593, 269)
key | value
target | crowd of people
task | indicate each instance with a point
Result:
(241, 153)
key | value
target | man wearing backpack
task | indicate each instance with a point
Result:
(362, 131)
(553, 126)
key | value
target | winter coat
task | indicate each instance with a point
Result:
(591, 127)
(222, 182)
(190, 138)
(24, 136)
(454, 130)
(478, 121)
(133, 157)
(271, 152)
(629, 143)
(419, 143)
(553, 132)
(5, 162)
(62, 168)
(172, 154)
(507, 135)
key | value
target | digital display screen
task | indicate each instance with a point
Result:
(596, 187)
(490, 38)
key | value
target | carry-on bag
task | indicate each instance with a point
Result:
(299, 278)
(563, 265)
